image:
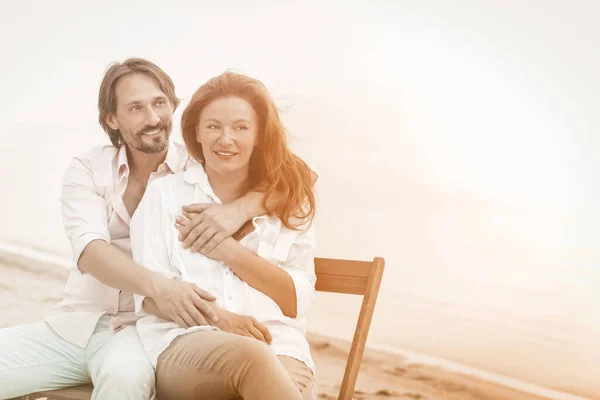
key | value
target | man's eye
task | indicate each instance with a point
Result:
(161, 103)
(134, 108)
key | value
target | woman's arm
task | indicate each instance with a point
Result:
(290, 284)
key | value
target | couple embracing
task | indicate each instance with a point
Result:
(193, 265)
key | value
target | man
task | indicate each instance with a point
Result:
(90, 335)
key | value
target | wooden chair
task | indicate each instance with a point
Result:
(334, 276)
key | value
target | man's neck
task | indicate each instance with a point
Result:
(142, 164)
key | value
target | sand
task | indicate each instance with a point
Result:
(29, 289)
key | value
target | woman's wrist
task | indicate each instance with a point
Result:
(231, 252)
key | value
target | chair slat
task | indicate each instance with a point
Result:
(341, 284)
(334, 266)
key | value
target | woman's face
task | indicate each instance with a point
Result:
(228, 133)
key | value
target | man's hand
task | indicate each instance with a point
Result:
(183, 302)
(242, 325)
(224, 250)
(204, 226)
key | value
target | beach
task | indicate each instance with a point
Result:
(29, 289)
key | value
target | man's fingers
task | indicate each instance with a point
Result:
(257, 333)
(196, 315)
(213, 243)
(180, 322)
(187, 318)
(194, 234)
(204, 294)
(196, 208)
(206, 236)
(205, 308)
(183, 224)
(264, 330)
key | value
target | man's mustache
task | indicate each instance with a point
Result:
(153, 128)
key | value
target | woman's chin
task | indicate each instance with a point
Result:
(227, 167)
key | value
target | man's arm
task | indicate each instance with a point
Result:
(212, 223)
(228, 322)
(86, 224)
(112, 267)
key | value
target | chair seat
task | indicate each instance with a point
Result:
(83, 392)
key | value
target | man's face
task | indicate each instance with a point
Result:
(143, 114)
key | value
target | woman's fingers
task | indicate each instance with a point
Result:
(257, 333)
(263, 330)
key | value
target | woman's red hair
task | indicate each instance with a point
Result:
(273, 166)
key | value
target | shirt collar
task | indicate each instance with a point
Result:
(174, 159)
(195, 175)
(122, 165)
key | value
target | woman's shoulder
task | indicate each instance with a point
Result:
(272, 226)
(171, 190)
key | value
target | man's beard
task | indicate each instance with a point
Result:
(157, 143)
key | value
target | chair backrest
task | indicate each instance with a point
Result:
(359, 278)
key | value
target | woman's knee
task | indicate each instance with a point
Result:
(251, 351)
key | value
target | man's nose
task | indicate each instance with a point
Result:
(152, 117)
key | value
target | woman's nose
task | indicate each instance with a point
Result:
(227, 136)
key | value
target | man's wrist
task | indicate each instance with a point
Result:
(252, 205)
(155, 282)
(244, 205)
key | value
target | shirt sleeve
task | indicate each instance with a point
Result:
(83, 209)
(151, 238)
(300, 265)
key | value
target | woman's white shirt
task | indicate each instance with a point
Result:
(155, 246)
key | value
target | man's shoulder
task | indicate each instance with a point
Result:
(98, 154)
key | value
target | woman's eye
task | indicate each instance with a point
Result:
(213, 127)
(241, 128)
(134, 108)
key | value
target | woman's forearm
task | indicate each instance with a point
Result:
(264, 277)
(150, 307)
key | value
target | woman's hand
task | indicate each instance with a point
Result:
(205, 226)
(242, 325)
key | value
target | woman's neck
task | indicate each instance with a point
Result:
(228, 186)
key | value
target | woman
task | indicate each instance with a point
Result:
(232, 128)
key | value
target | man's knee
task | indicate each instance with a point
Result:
(122, 370)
